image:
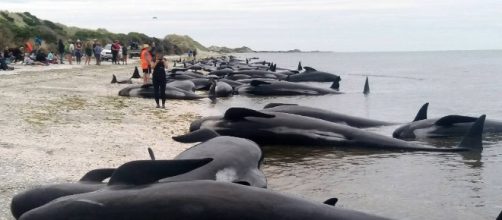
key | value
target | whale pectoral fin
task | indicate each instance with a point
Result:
(199, 135)
(309, 69)
(271, 105)
(422, 112)
(454, 119)
(473, 139)
(97, 175)
(258, 82)
(143, 172)
(235, 114)
(331, 202)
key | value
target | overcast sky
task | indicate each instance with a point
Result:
(329, 25)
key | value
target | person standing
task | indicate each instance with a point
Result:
(97, 53)
(88, 52)
(71, 50)
(61, 50)
(124, 54)
(146, 59)
(159, 80)
(194, 54)
(115, 52)
(78, 51)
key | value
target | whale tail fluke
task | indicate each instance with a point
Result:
(422, 112)
(335, 85)
(152, 155)
(196, 136)
(366, 90)
(114, 79)
(135, 74)
(473, 139)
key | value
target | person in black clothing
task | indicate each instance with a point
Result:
(159, 80)
(61, 50)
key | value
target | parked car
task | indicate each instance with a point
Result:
(106, 53)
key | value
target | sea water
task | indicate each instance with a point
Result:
(401, 185)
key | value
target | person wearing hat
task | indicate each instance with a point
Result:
(146, 60)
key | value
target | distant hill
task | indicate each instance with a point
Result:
(17, 28)
(231, 50)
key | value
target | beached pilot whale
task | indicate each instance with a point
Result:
(326, 115)
(277, 128)
(234, 160)
(220, 89)
(282, 88)
(146, 91)
(229, 159)
(447, 126)
(123, 81)
(33, 198)
(193, 200)
(313, 75)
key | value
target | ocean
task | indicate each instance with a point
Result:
(401, 185)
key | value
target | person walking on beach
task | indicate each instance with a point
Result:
(61, 50)
(146, 59)
(88, 52)
(159, 79)
(97, 53)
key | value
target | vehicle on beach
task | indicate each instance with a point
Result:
(106, 53)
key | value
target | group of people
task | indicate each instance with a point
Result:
(151, 59)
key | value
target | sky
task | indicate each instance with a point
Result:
(326, 25)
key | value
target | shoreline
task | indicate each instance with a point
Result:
(60, 121)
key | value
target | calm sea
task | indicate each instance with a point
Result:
(401, 185)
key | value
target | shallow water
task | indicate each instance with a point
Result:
(402, 185)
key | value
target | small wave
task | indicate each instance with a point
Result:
(387, 76)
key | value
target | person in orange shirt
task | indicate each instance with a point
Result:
(146, 60)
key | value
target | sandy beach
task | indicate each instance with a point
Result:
(58, 122)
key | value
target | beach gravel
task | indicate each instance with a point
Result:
(58, 122)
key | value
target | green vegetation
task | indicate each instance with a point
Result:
(18, 28)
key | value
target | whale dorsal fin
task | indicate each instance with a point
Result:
(500, 216)
(258, 82)
(366, 89)
(196, 136)
(473, 139)
(422, 112)
(114, 79)
(97, 175)
(141, 172)
(135, 74)
(309, 69)
(454, 119)
(274, 104)
(235, 114)
(331, 202)
(152, 155)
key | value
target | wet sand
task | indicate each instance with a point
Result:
(60, 121)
